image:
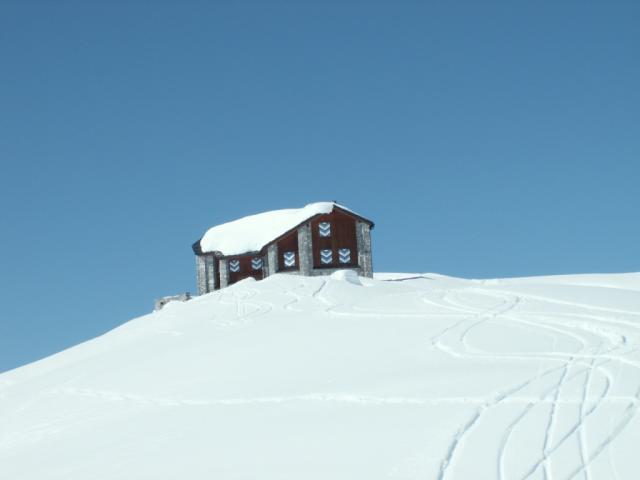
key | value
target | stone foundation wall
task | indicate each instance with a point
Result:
(363, 236)
(210, 263)
(305, 252)
(272, 259)
(201, 275)
(224, 272)
(161, 302)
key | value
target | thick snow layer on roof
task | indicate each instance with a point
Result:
(250, 234)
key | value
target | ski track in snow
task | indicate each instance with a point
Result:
(583, 365)
(590, 356)
(588, 345)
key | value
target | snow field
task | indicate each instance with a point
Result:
(402, 377)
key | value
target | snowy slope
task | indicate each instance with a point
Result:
(402, 377)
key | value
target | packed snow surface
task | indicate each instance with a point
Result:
(401, 377)
(252, 233)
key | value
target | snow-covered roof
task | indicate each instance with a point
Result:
(252, 233)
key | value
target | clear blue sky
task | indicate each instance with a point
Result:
(485, 139)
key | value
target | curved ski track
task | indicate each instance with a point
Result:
(605, 341)
(584, 365)
(602, 337)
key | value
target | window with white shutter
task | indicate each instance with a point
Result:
(344, 255)
(324, 229)
(289, 259)
(256, 263)
(326, 257)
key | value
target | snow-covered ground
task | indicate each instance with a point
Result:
(402, 377)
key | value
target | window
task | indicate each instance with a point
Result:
(234, 266)
(344, 255)
(324, 229)
(289, 259)
(256, 263)
(326, 257)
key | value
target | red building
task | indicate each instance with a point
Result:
(317, 239)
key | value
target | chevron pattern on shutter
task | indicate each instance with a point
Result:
(289, 259)
(326, 257)
(324, 229)
(256, 263)
(234, 266)
(344, 255)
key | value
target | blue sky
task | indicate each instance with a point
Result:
(485, 139)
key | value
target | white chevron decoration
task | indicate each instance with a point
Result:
(256, 263)
(289, 259)
(324, 229)
(326, 256)
(344, 255)
(234, 266)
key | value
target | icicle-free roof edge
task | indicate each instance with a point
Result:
(252, 233)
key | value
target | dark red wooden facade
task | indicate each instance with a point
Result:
(245, 268)
(342, 236)
(333, 240)
(287, 244)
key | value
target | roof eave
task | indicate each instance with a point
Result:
(197, 248)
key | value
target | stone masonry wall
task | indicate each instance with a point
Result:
(272, 259)
(201, 275)
(224, 272)
(305, 252)
(210, 263)
(161, 302)
(363, 236)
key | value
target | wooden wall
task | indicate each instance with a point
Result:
(343, 235)
(289, 243)
(246, 269)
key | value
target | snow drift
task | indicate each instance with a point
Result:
(401, 377)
